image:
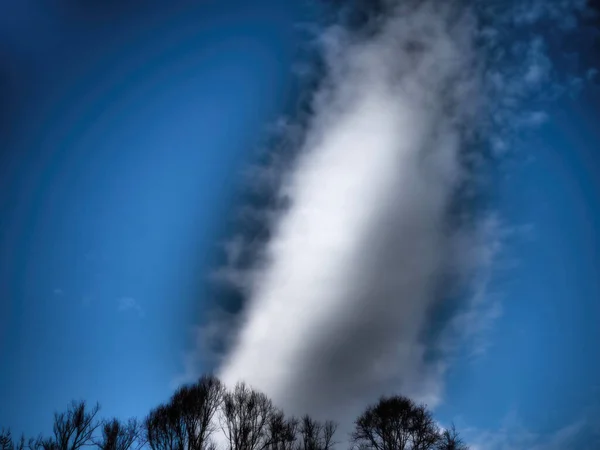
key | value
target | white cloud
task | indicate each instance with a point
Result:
(337, 312)
(339, 304)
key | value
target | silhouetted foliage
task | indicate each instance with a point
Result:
(161, 429)
(73, 428)
(316, 435)
(248, 420)
(245, 418)
(42, 444)
(186, 422)
(7, 442)
(396, 423)
(197, 405)
(119, 436)
(281, 431)
(450, 440)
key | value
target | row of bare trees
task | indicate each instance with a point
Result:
(246, 420)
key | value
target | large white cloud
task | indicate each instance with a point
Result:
(338, 310)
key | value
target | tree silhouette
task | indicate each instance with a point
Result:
(40, 443)
(316, 435)
(196, 406)
(186, 422)
(119, 436)
(281, 432)
(395, 423)
(73, 428)
(248, 420)
(245, 418)
(450, 440)
(161, 429)
(7, 442)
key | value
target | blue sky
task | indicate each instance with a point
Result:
(122, 158)
(123, 134)
(540, 364)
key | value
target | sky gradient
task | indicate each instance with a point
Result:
(125, 130)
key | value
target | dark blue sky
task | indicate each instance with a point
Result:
(123, 128)
(540, 366)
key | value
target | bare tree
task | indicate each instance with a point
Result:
(425, 433)
(73, 428)
(281, 432)
(396, 423)
(197, 405)
(316, 435)
(7, 442)
(40, 443)
(186, 422)
(248, 420)
(119, 436)
(450, 440)
(245, 418)
(160, 429)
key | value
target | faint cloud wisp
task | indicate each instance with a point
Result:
(127, 304)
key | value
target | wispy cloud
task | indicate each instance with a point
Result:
(130, 304)
(210, 340)
(515, 436)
